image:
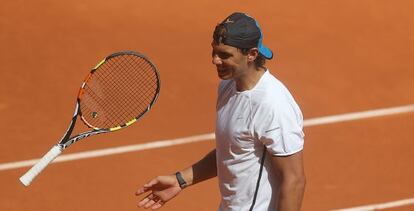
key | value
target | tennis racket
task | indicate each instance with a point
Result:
(115, 94)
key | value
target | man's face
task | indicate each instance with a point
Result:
(230, 62)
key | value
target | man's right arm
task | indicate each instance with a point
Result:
(204, 169)
(163, 188)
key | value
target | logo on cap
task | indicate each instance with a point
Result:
(229, 21)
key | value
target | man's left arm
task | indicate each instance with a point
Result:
(291, 177)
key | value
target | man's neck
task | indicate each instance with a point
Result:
(250, 79)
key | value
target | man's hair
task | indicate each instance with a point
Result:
(219, 36)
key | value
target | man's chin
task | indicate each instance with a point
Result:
(224, 77)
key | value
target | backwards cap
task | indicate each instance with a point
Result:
(241, 31)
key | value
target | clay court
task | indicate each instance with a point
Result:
(336, 57)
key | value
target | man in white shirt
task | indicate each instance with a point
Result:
(259, 139)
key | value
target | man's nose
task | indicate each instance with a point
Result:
(216, 60)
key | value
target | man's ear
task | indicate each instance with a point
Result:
(252, 55)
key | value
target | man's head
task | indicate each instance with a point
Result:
(237, 46)
(243, 32)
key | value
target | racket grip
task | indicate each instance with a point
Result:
(27, 178)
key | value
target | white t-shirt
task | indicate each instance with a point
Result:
(246, 121)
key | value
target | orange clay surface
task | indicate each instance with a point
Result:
(335, 56)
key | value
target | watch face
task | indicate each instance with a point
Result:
(180, 180)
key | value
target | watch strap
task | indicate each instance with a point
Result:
(180, 180)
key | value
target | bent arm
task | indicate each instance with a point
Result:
(291, 175)
(163, 188)
(204, 169)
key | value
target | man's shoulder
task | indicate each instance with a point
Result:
(271, 92)
(269, 89)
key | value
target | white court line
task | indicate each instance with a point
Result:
(113, 150)
(210, 136)
(382, 206)
(359, 115)
(206, 137)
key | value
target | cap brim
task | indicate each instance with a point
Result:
(266, 52)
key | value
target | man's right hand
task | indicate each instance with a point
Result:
(160, 190)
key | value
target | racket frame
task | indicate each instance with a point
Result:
(66, 140)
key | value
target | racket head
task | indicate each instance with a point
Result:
(118, 91)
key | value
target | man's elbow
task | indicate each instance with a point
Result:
(296, 182)
(301, 182)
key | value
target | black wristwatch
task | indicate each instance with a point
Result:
(180, 180)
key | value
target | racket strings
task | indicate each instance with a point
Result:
(134, 91)
(126, 85)
(122, 111)
(121, 89)
(147, 86)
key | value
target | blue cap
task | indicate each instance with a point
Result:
(241, 31)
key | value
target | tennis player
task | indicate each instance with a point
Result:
(259, 139)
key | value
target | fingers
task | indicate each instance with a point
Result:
(160, 190)
(151, 201)
(140, 191)
(157, 205)
(146, 187)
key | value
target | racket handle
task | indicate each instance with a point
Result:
(27, 178)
